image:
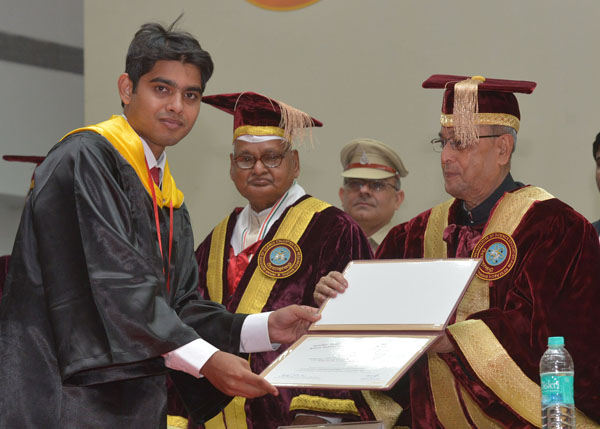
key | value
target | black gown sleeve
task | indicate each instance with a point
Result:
(102, 271)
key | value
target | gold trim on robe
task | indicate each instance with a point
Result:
(176, 422)
(217, 422)
(234, 414)
(383, 407)
(325, 405)
(584, 422)
(292, 228)
(497, 370)
(255, 130)
(255, 298)
(505, 218)
(126, 141)
(214, 275)
(433, 244)
(445, 396)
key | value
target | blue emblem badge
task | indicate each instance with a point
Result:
(279, 255)
(496, 254)
(279, 258)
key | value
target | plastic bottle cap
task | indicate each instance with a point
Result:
(556, 341)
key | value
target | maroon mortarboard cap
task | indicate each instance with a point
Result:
(37, 160)
(469, 101)
(258, 115)
(24, 158)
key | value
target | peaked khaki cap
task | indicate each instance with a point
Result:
(371, 159)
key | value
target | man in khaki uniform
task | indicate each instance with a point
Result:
(371, 191)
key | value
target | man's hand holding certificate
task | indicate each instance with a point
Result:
(368, 336)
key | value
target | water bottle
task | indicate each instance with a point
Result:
(556, 375)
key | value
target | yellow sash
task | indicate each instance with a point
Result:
(126, 141)
(258, 290)
(505, 218)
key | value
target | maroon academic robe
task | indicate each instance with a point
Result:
(553, 289)
(329, 239)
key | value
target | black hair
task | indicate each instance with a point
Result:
(596, 145)
(153, 43)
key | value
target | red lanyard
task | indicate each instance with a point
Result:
(151, 183)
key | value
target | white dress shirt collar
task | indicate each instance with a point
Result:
(251, 226)
(151, 159)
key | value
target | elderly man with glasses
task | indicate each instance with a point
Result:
(272, 252)
(371, 191)
(538, 278)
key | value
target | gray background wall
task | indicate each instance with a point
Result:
(38, 103)
(357, 66)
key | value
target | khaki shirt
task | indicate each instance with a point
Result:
(376, 239)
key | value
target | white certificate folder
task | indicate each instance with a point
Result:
(370, 335)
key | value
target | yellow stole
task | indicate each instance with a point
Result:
(126, 141)
(505, 218)
(258, 290)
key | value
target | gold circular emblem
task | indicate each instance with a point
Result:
(498, 253)
(279, 258)
(282, 5)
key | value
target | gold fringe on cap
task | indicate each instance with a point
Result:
(294, 123)
(466, 108)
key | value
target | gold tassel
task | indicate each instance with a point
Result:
(466, 108)
(295, 123)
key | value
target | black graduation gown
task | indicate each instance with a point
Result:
(85, 314)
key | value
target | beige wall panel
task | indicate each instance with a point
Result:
(357, 66)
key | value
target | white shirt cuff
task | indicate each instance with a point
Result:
(255, 334)
(191, 357)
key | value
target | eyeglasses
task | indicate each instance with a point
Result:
(440, 143)
(269, 160)
(356, 185)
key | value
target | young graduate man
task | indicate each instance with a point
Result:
(539, 275)
(101, 296)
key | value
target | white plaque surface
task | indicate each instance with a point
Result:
(398, 292)
(346, 361)
(371, 334)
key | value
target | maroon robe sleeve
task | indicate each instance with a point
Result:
(404, 240)
(553, 290)
(330, 240)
